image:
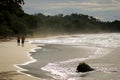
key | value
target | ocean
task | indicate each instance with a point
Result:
(56, 58)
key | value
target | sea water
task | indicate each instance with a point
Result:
(53, 61)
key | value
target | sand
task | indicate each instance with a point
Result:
(11, 54)
(50, 53)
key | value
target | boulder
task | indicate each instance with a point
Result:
(83, 67)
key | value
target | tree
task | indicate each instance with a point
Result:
(13, 6)
(7, 9)
(6, 2)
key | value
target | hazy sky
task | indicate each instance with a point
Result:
(107, 10)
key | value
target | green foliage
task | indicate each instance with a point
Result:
(74, 23)
(14, 21)
(12, 6)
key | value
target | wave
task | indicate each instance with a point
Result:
(67, 69)
(102, 40)
(62, 70)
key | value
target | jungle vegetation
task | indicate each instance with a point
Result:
(14, 21)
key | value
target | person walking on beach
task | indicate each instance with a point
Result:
(23, 40)
(18, 40)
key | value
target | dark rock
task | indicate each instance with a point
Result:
(83, 67)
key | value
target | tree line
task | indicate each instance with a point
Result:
(13, 21)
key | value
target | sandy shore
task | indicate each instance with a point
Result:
(11, 54)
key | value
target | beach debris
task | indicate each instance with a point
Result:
(83, 67)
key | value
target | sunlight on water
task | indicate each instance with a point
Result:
(67, 69)
(103, 40)
(103, 43)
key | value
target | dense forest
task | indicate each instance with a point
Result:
(13, 21)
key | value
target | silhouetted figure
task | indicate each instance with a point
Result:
(23, 40)
(18, 40)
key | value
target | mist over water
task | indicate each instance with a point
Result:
(102, 40)
(61, 55)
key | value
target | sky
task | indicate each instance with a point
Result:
(105, 10)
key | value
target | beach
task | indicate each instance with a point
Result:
(59, 62)
(10, 55)
(58, 57)
(52, 53)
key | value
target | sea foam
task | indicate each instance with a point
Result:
(101, 40)
(67, 69)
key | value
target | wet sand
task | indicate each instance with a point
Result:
(106, 65)
(51, 53)
(113, 57)
(11, 54)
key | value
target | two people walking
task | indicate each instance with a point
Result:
(21, 39)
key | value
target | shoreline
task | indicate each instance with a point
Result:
(28, 62)
(94, 53)
(60, 48)
(13, 55)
